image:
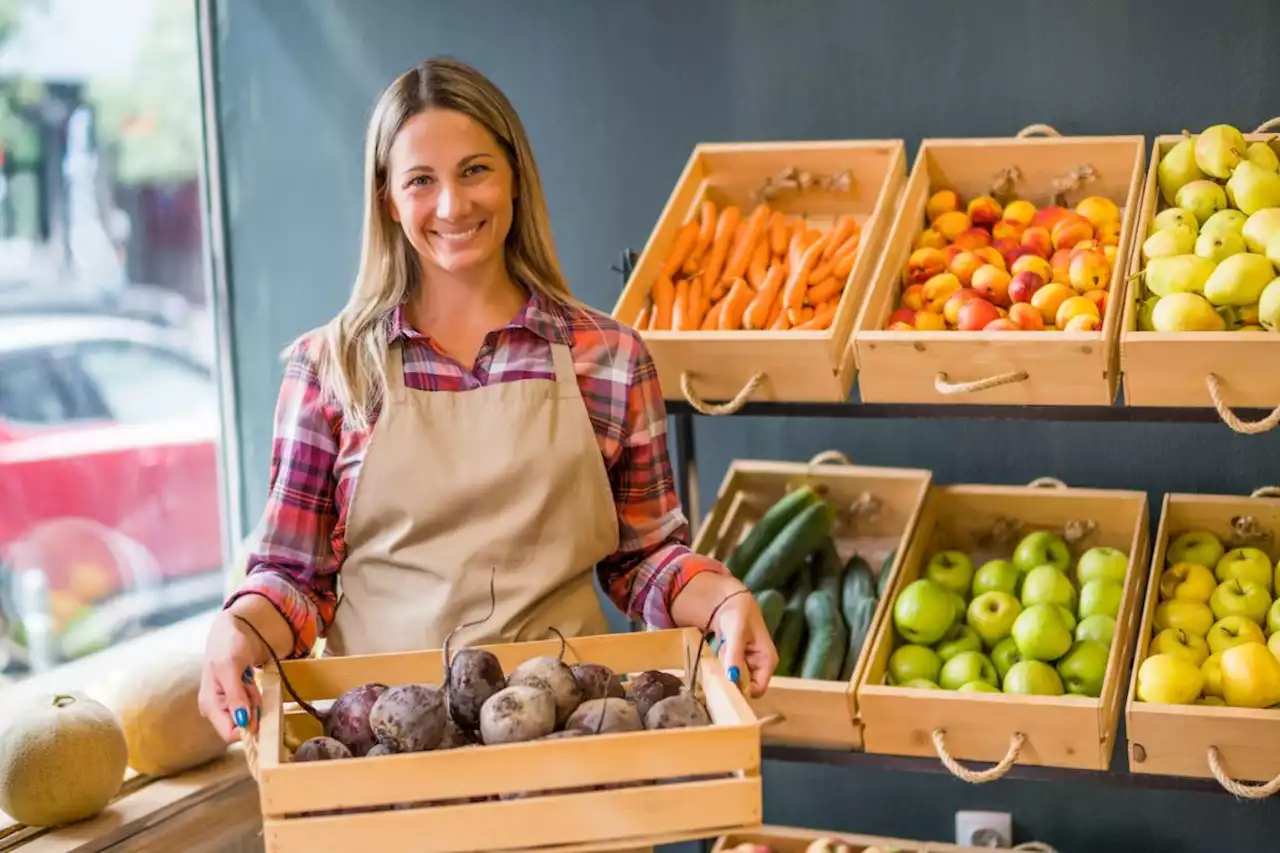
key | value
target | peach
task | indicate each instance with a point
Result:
(992, 256)
(903, 315)
(1035, 264)
(951, 310)
(952, 224)
(1074, 306)
(938, 290)
(1024, 285)
(1005, 228)
(1026, 316)
(974, 238)
(900, 327)
(965, 265)
(1085, 245)
(975, 314)
(1089, 271)
(1049, 298)
(951, 251)
(1021, 212)
(930, 321)
(1038, 240)
(1098, 210)
(1008, 249)
(943, 201)
(930, 239)
(1071, 229)
(1002, 324)
(1110, 251)
(1109, 233)
(1099, 298)
(984, 210)
(923, 265)
(1083, 323)
(1047, 217)
(913, 297)
(993, 283)
(1061, 263)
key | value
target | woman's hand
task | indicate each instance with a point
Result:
(228, 696)
(746, 649)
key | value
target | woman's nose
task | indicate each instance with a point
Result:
(451, 202)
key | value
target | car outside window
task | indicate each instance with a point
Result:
(142, 384)
(30, 393)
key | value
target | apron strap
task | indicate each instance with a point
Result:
(566, 378)
(395, 372)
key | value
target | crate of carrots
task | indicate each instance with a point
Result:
(749, 285)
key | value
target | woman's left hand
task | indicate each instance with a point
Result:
(746, 649)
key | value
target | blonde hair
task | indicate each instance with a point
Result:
(350, 350)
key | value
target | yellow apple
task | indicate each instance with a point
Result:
(1169, 680)
(1274, 644)
(1211, 669)
(1211, 700)
(1187, 582)
(1174, 641)
(1250, 676)
(1232, 631)
(1194, 617)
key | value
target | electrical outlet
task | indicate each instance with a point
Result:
(984, 829)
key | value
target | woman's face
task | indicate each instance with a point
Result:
(451, 189)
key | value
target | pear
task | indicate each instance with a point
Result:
(1178, 274)
(1172, 217)
(1225, 220)
(1174, 240)
(1269, 306)
(1253, 188)
(1176, 168)
(1145, 310)
(1239, 280)
(1261, 228)
(1264, 155)
(1219, 247)
(1186, 312)
(1219, 149)
(1203, 198)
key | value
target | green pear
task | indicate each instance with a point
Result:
(1219, 247)
(1186, 312)
(1176, 168)
(1239, 280)
(1172, 217)
(1219, 149)
(1260, 228)
(1145, 310)
(1273, 251)
(1203, 198)
(1174, 240)
(1269, 306)
(1253, 188)
(1264, 155)
(1225, 220)
(1178, 274)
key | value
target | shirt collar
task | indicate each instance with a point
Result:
(544, 317)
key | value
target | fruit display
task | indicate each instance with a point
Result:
(1033, 621)
(818, 606)
(818, 845)
(1216, 627)
(1210, 256)
(983, 266)
(765, 270)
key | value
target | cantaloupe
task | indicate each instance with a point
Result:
(62, 760)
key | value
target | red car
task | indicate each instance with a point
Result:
(110, 511)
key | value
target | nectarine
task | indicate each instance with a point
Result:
(1024, 285)
(1061, 263)
(1074, 306)
(1005, 228)
(984, 210)
(1002, 324)
(900, 327)
(1100, 299)
(930, 239)
(913, 297)
(976, 314)
(952, 224)
(904, 315)
(1109, 233)
(974, 238)
(924, 264)
(1090, 270)
(1083, 323)
(938, 290)
(1071, 229)
(965, 265)
(951, 310)
(1026, 316)
(993, 283)
(943, 201)
(1048, 299)
(992, 256)
(929, 321)
(1099, 210)
(1008, 248)
(1047, 217)
(1038, 240)
(1035, 264)
(1020, 211)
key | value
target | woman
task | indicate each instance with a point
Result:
(464, 422)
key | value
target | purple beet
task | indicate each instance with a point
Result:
(474, 675)
(348, 719)
(321, 749)
(597, 681)
(454, 737)
(380, 749)
(409, 717)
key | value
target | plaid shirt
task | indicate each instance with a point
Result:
(299, 545)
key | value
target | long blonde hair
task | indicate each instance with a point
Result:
(350, 350)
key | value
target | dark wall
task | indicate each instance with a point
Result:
(614, 96)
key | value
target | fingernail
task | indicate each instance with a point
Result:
(248, 673)
(733, 674)
(241, 717)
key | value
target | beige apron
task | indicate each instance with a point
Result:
(454, 485)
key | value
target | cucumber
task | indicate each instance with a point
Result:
(789, 640)
(882, 583)
(771, 604)
(769, 526)
(785, 553)
(828, 637)
(858, 615)
(858, 583)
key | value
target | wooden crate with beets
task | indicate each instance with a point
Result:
(1001, 280)
(1216, 329)
(623, 787)
(817, 543)
(750, 283)
(1010, 628)
(1204, 699)
(787, 839)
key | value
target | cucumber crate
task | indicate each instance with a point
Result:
(835, 535)
(1041, 533)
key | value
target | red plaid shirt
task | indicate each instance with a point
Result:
(299, 545)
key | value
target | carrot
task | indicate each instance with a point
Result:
(719, 289)
(697, 309)
(706, 233)
(806, 314)
(664, 297)
(759, 266)
(752, 232)
(828, 288)
(642, 318)
(779, 232)
(680, 307)
(840, 231)
(822, 271)
(780, 323)
(821, 319)
(711, 322)
(686, 237)
(798, 279)
(758, 312)
(728, 223)
(844, 264)
(735, 304)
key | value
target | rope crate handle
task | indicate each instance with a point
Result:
(1240, 790)
(978, 777)
(943, 385)
(1047, 483)
(1037, 130)
(729, 407)
(1265, 492)
(1229, 418)
(1268, 125)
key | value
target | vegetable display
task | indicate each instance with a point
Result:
(819, 845)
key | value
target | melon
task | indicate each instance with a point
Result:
(62, 760)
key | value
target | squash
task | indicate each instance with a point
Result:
(61, 761)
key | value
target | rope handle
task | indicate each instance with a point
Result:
(1265, 492)
(1268, 125)
(249, 740)
(1240, 790)
(727, 408)
(1037, 130)
(1229, 418)
(1047, 483)
(829, 456)
(978, 777)
(943, 385)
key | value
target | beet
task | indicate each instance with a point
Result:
(605, 716)
(677, 712)
(652, 686)
(556, 675)
(409, 717)
(454, 737)
(597, 681)
(518, 713)
(321, 749)
(565, 733)
(474, 676)
(380, 749)
(348, 720)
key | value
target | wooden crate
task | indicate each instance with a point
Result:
(1188, 369)
(998, 367)
(1062, 731)
(1177, 740)
(787, 839)
(770, 365)
(692, 783)
(804, 711)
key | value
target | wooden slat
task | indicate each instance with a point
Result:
(789, 839)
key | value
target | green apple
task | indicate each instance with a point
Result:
(1187, 581)
(1240, 598)
(921, 684)
(960, 638)
(992, 615)
(1101, 628)
(1247, 564)
(1273, 617)
(912, 661)
(1195, 546)
(996, 576)
(1033, 678)
(1194, 617)
(1233, 630)
(1100, 597)
(1004, 656)
(1068, 618)
(1041, 633)
(966, 667)
(1083, 668)
(923, 612)
(951, 570)
(1048, 585)
(1043, 547)
(1102, 563)
(978, 687)
(961, 606)
(1174, 641)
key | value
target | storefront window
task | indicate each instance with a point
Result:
(111, 517)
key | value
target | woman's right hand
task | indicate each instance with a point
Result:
(228, 696)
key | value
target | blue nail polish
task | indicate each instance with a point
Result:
(248, 673)
(241, 717)
(734, 674)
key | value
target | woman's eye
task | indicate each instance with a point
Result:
(418, 181)
(474, 169)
